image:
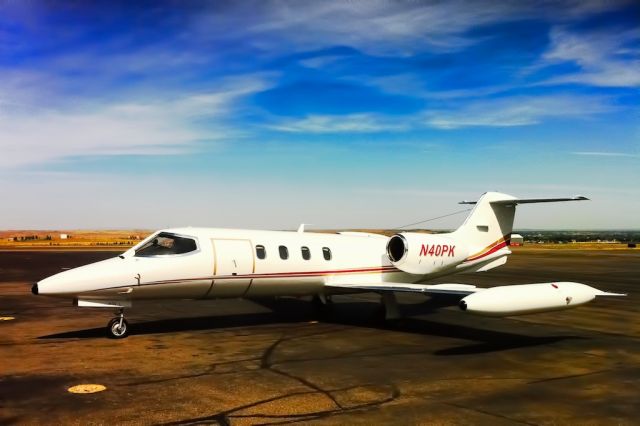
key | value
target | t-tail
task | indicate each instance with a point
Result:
(487, 229)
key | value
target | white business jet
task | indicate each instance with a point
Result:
(210, 263)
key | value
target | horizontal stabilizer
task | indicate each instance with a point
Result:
(532, 200)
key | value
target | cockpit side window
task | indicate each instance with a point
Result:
(165, 244)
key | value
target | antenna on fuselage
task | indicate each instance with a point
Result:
(433, 218)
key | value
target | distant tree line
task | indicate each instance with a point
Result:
(32, 238)
(621, 236)
(26, 238)
(114, 243)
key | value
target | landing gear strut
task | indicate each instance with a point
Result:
(322, 300)
(118, 327)
(322, 305)
(390, 304)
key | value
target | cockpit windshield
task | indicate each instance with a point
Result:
(165, 244)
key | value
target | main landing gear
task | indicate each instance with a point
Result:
(118, 327)
(390, 306)
(322, 305)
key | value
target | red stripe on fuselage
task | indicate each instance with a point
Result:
(493, 250)
(286, 274)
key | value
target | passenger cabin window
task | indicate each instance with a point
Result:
(261, 253)
(166, 244)
(306, 254)
(284, 252)
(326, 252)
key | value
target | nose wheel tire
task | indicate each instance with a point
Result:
(118, 328)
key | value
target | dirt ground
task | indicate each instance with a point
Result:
(278, 362)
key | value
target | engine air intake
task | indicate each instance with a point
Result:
(397, 248)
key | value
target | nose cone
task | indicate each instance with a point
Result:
(89, 278)
(52, 286)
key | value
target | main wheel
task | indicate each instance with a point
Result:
(115, 331)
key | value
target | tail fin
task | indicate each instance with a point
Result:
(488, 227)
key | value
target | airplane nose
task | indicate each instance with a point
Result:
(34, 289)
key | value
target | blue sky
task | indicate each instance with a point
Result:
(340, 114)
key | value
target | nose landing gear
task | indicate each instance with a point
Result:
(118, 327)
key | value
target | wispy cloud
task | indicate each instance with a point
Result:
(413, 84)
(157, 126)
(353, 123)
(517, 111)
(608, 58)
(605, 154)
(376, 27)
(503, 112)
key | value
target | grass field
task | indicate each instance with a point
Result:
(575, 246)
(123, 239)
(76, 239)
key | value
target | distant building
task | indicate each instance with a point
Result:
(517, 240)
(64, 236)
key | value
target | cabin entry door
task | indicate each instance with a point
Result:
(233, 262)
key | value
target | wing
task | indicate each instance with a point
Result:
(456, 289)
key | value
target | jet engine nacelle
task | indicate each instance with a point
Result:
(423, 254)
(528, 298)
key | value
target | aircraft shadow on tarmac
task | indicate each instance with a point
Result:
(356, 314)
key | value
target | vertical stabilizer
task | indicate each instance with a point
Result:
(490, 223)
(488, 227)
